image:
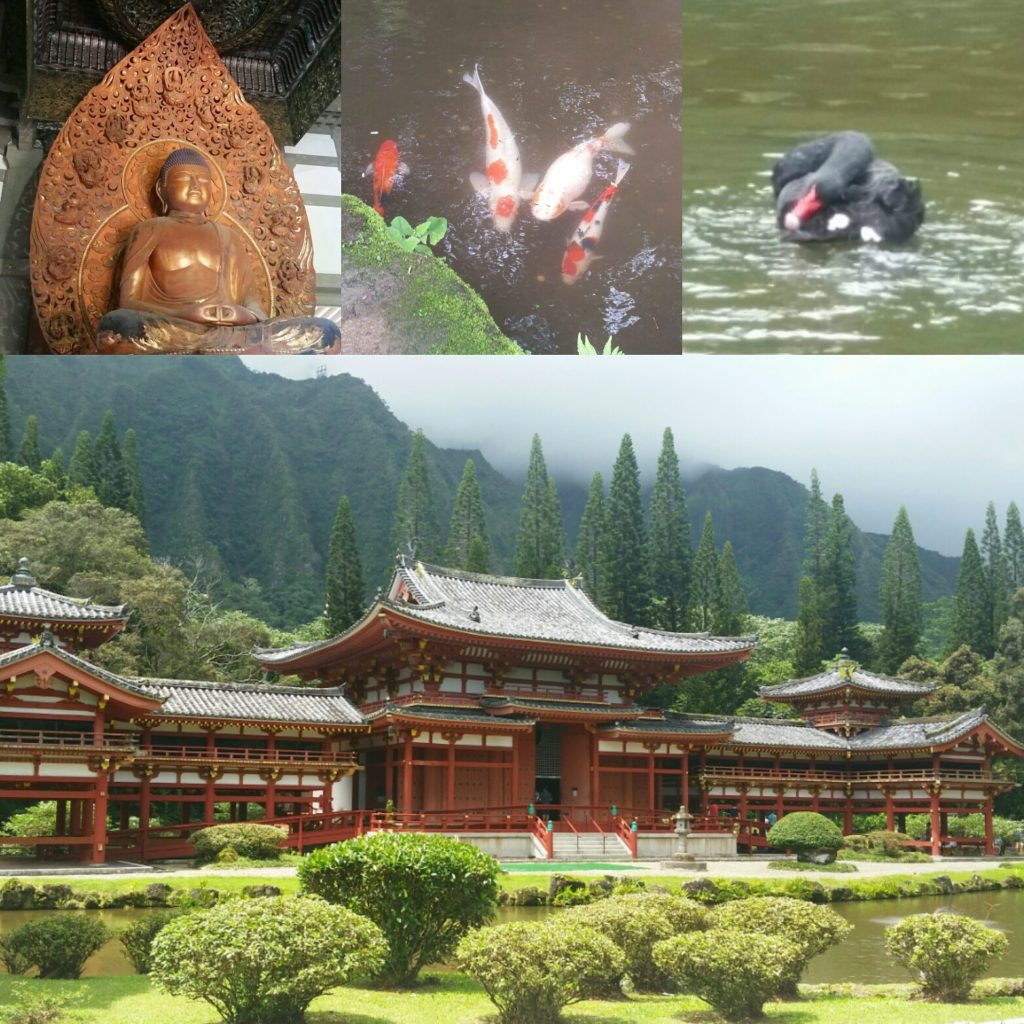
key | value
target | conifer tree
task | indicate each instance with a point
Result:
(590, 542)
(82, 470)
(810, 640)
(668, 550)
(6, 446)
(996, 575)
(415, 520)
(901, 596)
(731, 603)
(970, 619)
(111, 478)
(837, 595)
(468, 525)
(705, 584)
(626, 585)
(1013, 546)
(540, 539)
(344, 597)
(133, 472)
(28, 453)
(53, 470)
(816, 523)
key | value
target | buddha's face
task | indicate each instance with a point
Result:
(186, 188)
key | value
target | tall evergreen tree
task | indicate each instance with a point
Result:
(111, 478)
(415, 521)
(810, 638)
(837, 594)
(1013, 546)
(344, 596)
(816, 523)
(28, 453)
(6, 445)
(970, 621)
(996, 575)
(627, 583)
(590, 542)
(705, 584)
(812, 641)
(82, 470)
(731, 602)
(53, 470)
(901, 596)
(540, 539)
(668, 547)
(133, 472)
(468, 525)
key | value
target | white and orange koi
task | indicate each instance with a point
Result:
(503, 184)
(570, 174)
(582, 248)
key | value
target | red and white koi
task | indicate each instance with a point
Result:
(570, 174)
(386, 169)
(582, 247)
(503, 184)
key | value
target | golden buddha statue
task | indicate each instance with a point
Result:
(186, 281)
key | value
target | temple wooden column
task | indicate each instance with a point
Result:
(270, 800)
(144, 797)
(990, 843)
(405, 799)
(595, 770)
(890, 814)
(62, 817)
(685, 783)
(650, 781)
(449, 789)
(208, 804)
(514, 798)
(389, 773)
(936, 820)
(848, 817)
(99, 822)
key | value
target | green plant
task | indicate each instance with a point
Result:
(34, 1008)
(888, 843)
(810, 928)
(260, 842)
(949, 952)
(807, 834)
(584, 347)
(419, 238)
(636, 922)
(530, 971)
(264, 961)
(56, 946)
(838, 869)
(423, 891)
(733, 971)
(138, 937)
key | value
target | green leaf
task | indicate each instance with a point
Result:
(401, 225)
(436, 227)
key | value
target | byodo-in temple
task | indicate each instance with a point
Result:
(508, 711)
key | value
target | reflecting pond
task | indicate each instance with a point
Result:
(938, 87)
(559, 73)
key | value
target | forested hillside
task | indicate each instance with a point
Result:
(243, 471)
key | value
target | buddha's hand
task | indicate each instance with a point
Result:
(216, 313)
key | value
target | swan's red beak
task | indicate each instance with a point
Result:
(803, 209)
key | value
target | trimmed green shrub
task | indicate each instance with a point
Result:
(531, 971)
(31, 1007)
(138, 937)
(423, 891)
(949, 952)
(260, 842)
(636, 922)
(56, 946)
(811, 928)
(264, 961)
(736, 972)
(806, 834)
(889, 843)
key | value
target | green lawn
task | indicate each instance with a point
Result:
(455, 999)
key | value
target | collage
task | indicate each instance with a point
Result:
(559, 556)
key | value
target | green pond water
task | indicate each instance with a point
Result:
(861, 958)
(937, 86)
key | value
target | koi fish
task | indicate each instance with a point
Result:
(570, 174)
(503, 185)
(580, 252)
(386, 169)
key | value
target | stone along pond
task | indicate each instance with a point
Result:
(937, 87)
(860, 959)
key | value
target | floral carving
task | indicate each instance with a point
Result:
(89, 167)
(176, 86)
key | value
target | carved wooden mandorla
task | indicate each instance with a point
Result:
(97, 182)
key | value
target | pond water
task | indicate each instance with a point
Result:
(937, 86)
(559, 73)
(860, 958)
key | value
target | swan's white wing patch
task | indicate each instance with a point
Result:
(869, 235)
(838, 221)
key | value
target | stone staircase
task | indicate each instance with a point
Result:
(589, 846)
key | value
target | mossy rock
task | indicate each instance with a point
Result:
(406, 303)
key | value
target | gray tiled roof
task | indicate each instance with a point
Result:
(36, 603)
(467, 714)
(683, 725)
(538, 610)
(773, 732)
(21, 653)
(835, 679)
(592, 707)
(239, 701)
(918, 732)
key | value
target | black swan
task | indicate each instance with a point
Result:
(835, 189)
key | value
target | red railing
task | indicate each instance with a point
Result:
(804, 775)
(544, 836)
(625, 831)
(202, 754)
(57, 738)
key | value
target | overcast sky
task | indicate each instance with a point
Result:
(942, 435)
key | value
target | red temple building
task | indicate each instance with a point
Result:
(508, 710)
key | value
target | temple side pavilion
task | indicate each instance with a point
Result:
(489, 706)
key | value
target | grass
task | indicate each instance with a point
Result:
(797, 865)
(455, 999)
(544, 867)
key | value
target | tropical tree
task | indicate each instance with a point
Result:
(837, 589)
(668, 545)
(996, 574)
(901, 596)
(467, 536)
(706, 582)
(1013, 547)
(540, 539)
(970, 619)
(415, 522)
(591, 539)
(344, 594)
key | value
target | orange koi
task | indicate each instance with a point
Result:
(386, 170)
